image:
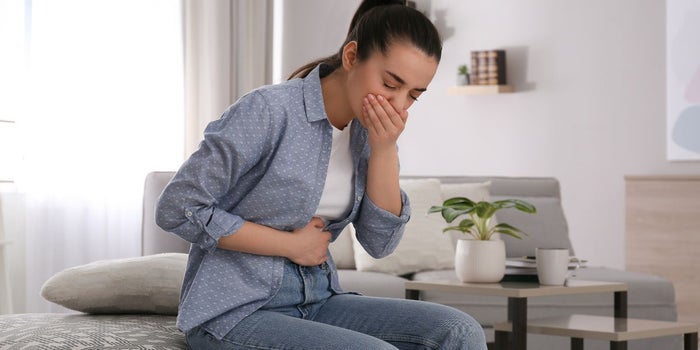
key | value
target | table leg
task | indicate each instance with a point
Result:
(576, 343)
(517, 315)
(620, 312)
(621, 304)
(690, 341)
(501, 340)
(412, 294)
(618, 345)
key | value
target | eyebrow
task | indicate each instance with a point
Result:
(402, 82)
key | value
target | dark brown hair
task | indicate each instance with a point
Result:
(375, 26)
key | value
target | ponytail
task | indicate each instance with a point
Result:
(375, 25)
(301, 72)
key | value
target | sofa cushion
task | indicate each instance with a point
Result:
(547, 228)
(476, 191)
(147, 284)
(423, 246)
(374, 284)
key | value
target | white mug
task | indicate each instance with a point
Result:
(552, 265)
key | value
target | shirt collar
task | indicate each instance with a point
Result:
(313, 95)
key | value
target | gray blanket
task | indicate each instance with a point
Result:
(83, 331)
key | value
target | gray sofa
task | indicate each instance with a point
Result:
(649, 297)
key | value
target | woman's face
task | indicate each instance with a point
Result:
(401, 76)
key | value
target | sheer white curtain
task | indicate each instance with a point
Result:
(107, 85)
(104, 107)
(228, 52)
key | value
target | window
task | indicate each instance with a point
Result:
(103, 90)
(12, 27)
(103, 106)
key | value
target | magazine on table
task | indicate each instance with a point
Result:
(527, 262)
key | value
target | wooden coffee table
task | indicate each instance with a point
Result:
(517, 294)
(615, 330)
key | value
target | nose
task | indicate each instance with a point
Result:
(400, 101)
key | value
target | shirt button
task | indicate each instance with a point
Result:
(188, 213)
(359, 198)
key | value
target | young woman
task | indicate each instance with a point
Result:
(276, 179)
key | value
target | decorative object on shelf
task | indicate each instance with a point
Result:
(463, 75)
(481, 258)
(488, 67)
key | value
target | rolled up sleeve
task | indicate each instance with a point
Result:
(380, 231)
(214, 222)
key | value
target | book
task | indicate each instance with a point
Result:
(521, 262)
(511, 270)
(530, 262)
(488, 67)
(520, 274)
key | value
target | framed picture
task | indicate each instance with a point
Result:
(682, 80)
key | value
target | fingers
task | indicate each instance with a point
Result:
(382, 114)
(311, 243)
(317, 222)
(382, 120)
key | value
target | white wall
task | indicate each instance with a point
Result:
(311, 29)
(589, 106)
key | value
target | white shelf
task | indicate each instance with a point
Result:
(480, 89)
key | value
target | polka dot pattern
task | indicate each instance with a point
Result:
(264, 161)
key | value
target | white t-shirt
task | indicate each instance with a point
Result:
(336, 200)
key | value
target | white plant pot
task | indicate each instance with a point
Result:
(462, 79)
(480, 261)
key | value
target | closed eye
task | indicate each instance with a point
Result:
(392, 87)
(414, 98)
(402, 82)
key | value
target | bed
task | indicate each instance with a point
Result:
(128, 303)
(84, 331)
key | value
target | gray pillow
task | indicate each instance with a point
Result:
(546, 229)
(148, 284)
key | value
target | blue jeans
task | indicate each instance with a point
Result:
(306, 314)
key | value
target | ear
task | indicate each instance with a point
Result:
(349, 55)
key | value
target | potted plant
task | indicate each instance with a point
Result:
(480, 258)
(462, 75)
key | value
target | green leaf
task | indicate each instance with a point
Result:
(508, 227)
(480, 215)
(504, 203)
(458, 201)
(455, 228)
(466, 223)
(450, 214)
(435, 209)
(525, 206)
(509, 233)
(485, 210)
(508, 230)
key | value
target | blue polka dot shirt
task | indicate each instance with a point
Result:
(264, 161)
